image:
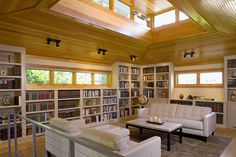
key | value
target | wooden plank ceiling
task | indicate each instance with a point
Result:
(28, 23)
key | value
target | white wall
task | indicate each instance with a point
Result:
(215, 93)
(31, 59)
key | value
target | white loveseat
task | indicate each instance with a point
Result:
(196, 120)
(117, 144)
(97, 133)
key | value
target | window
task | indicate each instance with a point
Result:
(182, 16)
(83, 78)
(36, 76)
(121, 8)
(211, 78)
(187, 79)
(103, 3)
(62, 77)
(164, 18)
(100, 79)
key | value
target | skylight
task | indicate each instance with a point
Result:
(164, 18)
(103, 3)
(121, 8)
(182, 16)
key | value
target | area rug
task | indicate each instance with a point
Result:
(190, 147)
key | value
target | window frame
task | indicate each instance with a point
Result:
(26, 80)
(74, 81)
(198, 85)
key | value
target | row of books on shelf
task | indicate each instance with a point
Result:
(4, 133)
(10, 84)
(109, 116)
(123, 69)
(68, 104)
(109, 100)
(135, 77)
(219, 119)
(90, 111)
(162, 69)
(40, 106)
(123, 94)
(135, 71)
(149, 93)
(35, 95)
(41, 117)
(232, 63)
(93, 119)
(110, 92)
(91, 93)
(215, 106)
(148, 70)
(182, 102)
(124, 77)
(29, 131)
(162, 84)
(68, 94)
(124, 113)
(124, 84)
(68, 114)
(4, 118)
(135, 93)
(163, 77)
(109, 108)
(135, 84)
(148, 77)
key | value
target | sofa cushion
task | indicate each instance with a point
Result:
(166, 110)
(191, 124)
(123, 132)
(69, 126)
(192, 112)
(107, 139)
(153, 108)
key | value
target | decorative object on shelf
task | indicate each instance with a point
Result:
(89, 102)
(6, 100)
(233, 95)
(142, 100)
(10, 58)
(181, 96)
(190, 97)
(233, 75)
(3, 71)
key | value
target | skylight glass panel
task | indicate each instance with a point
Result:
(182, 16)
(103, 3)
(164, 18)
(121, 8)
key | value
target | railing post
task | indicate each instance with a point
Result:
(71, 149)
(9, 133)
(15, 136)
(34, 139)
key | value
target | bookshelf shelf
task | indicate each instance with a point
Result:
(92, 106)
(11, 106)
(30, 101)
(7, 63)
(10, 90)
(65, 109)
(71, 118)
(68, 99)
(91, 115)
(43, 111)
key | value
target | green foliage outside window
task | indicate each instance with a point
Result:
(83, 78)
(100, 79)
(38, 76)
(103, 3)
(62, 77)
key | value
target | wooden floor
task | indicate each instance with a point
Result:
(25, 144)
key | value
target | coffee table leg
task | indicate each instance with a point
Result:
(141, 130)
(127, 126)
(180, 135)
(168, 141)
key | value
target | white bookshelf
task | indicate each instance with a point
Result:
(158, 81)
(127, 78)
(12, 77)
(230, 91)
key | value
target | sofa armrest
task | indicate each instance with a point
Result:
(148, 148)
(209, 124)
(142, 112)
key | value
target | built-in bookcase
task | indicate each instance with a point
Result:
(109, 104)
(40, 106)
(158, 81)
(12, 72)
(69, 104)
(230, 89)
(127, 78)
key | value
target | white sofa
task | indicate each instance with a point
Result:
(60, 147)
(117, 144)
(196, 120)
